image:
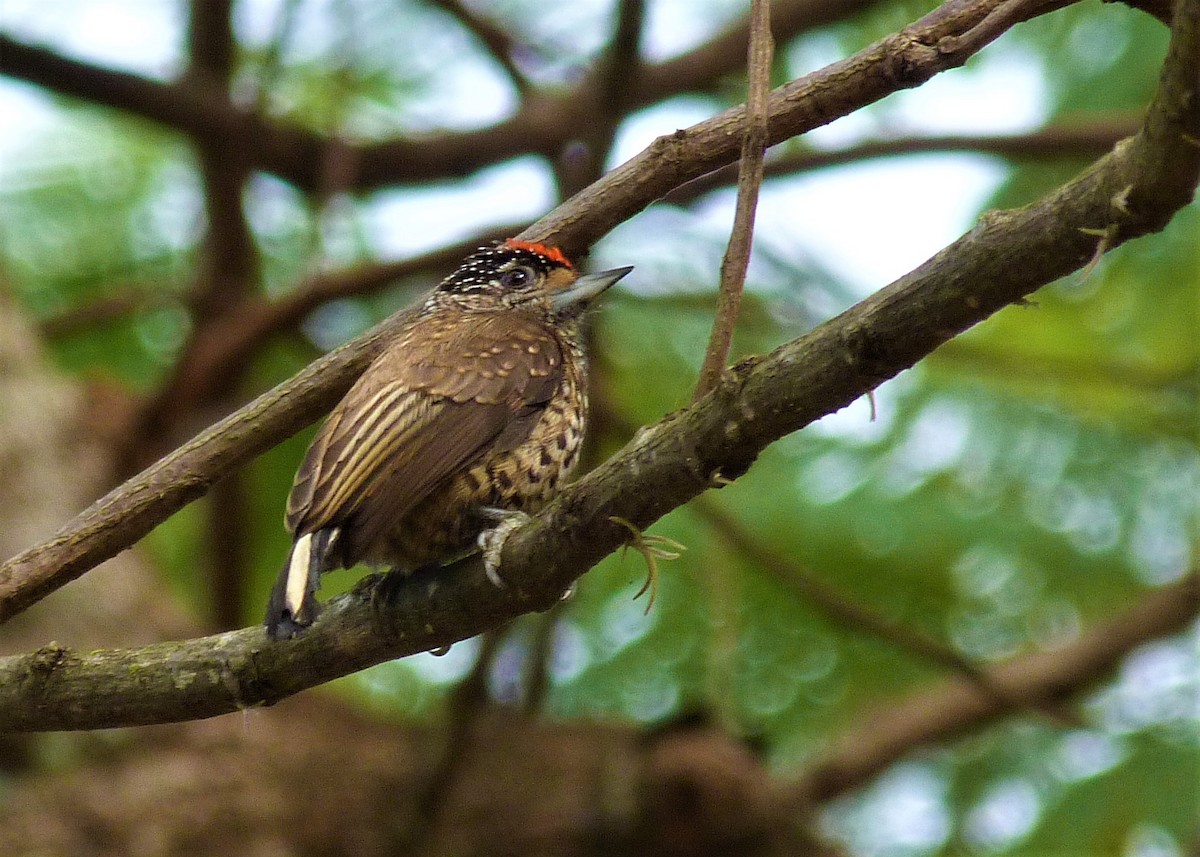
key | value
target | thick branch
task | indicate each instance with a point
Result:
(613, 80)
(468, 703)
(228, 551)
(623, 57)
(229, 266)
(210, 39)
(1160, 9)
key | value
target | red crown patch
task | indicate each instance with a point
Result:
(551, 253)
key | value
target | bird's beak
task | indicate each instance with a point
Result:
(587, 287)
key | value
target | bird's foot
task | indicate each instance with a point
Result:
(491, 541)
(652, 548)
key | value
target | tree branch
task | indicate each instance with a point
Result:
(494, 39)
(623, 57)
(1160, 9)
(1133, 190)
(614, 77)
(228, 551)
(536, 676)
(466, 704)
(117, 303)
(229, 263)
(229, 271)
(750, 176)
(998, 21)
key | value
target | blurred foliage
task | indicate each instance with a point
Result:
(1028, 480)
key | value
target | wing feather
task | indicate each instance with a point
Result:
(438, 399)
(456, 435)
(397, 422)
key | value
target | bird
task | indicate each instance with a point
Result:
(468, 421)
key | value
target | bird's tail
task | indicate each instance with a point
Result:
(293, 605)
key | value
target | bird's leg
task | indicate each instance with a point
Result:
(491, 541)
(652, 548)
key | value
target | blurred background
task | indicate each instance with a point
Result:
(1030, 482)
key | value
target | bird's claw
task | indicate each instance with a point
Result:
(491, 541)
(652, 548)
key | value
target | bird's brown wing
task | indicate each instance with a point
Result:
(429, 405)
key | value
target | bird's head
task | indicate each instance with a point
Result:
(520, 274)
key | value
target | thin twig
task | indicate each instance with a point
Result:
(997, 22)
(498, 42)
(750, 175)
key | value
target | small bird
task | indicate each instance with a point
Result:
(470, 419)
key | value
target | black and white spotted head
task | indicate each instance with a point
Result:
(513, 274)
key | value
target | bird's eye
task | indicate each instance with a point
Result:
(516, 277)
